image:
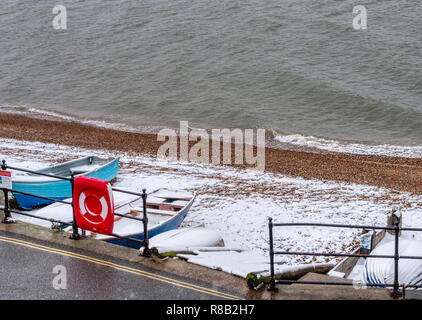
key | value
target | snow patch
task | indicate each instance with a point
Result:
(237, 203)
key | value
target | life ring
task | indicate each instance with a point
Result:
(94, 205)
(93, 209)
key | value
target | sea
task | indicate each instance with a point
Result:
(299, 69)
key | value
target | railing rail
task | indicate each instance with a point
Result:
(75, 229)
(396, 228)
(4, 167)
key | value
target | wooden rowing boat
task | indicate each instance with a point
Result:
(166, 210)
(90, 166)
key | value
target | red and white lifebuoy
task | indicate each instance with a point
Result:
(94, 205)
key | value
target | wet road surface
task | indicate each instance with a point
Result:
(34, 269)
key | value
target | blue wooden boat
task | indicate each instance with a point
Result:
(166, 210)
(90, 166)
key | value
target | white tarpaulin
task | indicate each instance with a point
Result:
(381, 270)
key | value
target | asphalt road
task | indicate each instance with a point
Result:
(33, 269)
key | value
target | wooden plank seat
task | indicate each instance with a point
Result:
(84, 168)
(139, 210)
(163, 206)
(181, 203)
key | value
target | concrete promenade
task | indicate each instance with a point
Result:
(100, 270)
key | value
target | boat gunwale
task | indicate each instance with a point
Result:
(48, 179)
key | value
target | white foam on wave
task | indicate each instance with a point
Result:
(32, 111)
(49, 113)
(355, 148)
(294, 139)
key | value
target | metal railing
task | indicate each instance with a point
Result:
(396, 293)
(75, 229)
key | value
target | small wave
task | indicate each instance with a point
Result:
(36, 112)
(50, 113)
(354, 148)
(292, 139)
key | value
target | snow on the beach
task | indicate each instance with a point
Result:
(237, 203)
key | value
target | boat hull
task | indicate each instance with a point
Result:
(171, 224)
(57, 189)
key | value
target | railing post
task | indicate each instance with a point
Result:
(7, 216)
(75, 234)
(145, 243)
(396, 290)
(271, 286)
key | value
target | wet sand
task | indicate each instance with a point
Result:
(404, 174)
